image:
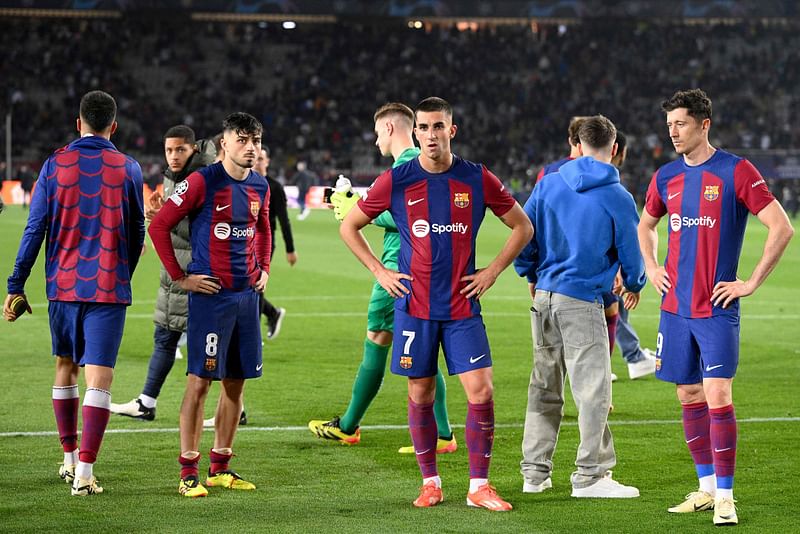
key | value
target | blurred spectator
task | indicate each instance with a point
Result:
(315, 86)
(26, 179)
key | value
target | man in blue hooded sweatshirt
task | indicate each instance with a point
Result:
(585, 229)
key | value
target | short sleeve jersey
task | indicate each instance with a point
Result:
(708, 207)
(438, 217)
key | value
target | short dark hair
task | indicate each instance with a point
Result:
(695, 101)
(265, 148)
(597, 132)
(572, 130)
(394, 108)
(181, 131)
(98, 110)
(434, 103)
(242, 123)
(622, 141)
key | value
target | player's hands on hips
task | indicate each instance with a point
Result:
(725, 293)
(478, 283)
(391, 281)
(8, 313)
(154, 203)
(291, 257)
(660, 280)
(262, 282)
(199, 283)
(630, 299)
(532, 289)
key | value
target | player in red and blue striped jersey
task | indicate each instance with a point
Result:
(438, 202)
(708, 195)
(228, 208)
(574, 151)
(88, 203)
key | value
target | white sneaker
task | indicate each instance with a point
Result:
(134, 409)
(614, 377)
(527, 487)
(67, 473)
(606, 488)
(725, 512)
(645, 366)
(82, 487)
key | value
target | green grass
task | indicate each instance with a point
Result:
(305, 484)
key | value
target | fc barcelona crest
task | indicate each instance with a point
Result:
(405, 362)
(211, 364)
(711, 193)
(461, 200)
(254, 207)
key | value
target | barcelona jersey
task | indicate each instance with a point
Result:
(88, 204)
(708, 207)
(551, 168)
(228, 224)
(438, 216)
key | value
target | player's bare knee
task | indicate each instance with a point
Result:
(718, 392)
(380, 337)
(690, 393)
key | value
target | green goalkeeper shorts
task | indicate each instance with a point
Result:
(380, 314)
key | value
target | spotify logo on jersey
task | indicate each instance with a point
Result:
(420, 228)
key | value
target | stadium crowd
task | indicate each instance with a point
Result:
(314, 87)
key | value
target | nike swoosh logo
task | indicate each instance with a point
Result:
(220, 208)
(412, 202)
(421, 452)
(673, 195)
(259, 366)
(473, 360)
(487, 455)
(722, 450)
(712, 367)
(694, 438)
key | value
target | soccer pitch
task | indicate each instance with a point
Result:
(305, 484)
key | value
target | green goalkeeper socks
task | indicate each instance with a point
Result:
(366, 386)
(368, 382)
(440, 407)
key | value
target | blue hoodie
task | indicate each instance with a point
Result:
(585, 229)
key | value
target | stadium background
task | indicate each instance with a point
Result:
(314, 72)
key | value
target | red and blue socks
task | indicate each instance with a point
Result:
(723, 441)
(219, 460)
(189, 461)
(611, 323)
(65, 406)
(96, 405)
(479, 435)
(424, 434)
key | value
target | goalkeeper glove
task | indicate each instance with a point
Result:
(344, 198)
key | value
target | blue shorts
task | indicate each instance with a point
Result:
(609, 298)
(224, 335)
(689, 350)
(87, 332)
(415, 350)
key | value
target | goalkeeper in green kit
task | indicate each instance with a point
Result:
(394, 123)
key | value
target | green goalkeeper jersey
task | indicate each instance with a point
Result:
(391, 237)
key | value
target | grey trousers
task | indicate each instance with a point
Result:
(570, 338)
